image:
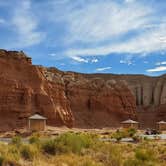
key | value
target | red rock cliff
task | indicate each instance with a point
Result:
(65, 98)
(25, 90)
(95, 102)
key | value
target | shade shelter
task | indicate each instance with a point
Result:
(37, 122)
(161, 126)
(130, 124)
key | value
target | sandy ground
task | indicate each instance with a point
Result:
(53, 131)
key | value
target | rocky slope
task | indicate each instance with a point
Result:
(73, 99)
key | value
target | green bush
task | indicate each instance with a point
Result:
(16, 140)
(68, 142)
(118, 135)
(48, 146)
(34, 139)
(71, 142)
(144, 155)
(131, 132)
(27, 152)
(1, 160)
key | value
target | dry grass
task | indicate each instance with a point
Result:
(71, 149)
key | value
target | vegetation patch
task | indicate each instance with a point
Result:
(71, 149)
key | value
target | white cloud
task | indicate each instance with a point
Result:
(79, 59)
(84, 60)
(157, 69)
(103, 68)
(161, 63)
(128, 62)
(129, 1)
(94, 60)
(62, 64)
(113, 22)
(2, 21)
(146, 62)
(163, 39)
(94, 28)
(100, 21)
(25, 25)
(145, 43)
(52, 54)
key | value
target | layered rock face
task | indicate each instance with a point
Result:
(150, 96)
(95, 102)
(65, 98)
(73, 99)
(24, 90)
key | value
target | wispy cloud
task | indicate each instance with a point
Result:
(128, 62)
(161, 63)
(52, 54)
(79, 59)
(25, 25)
(157, 69)
(103, 68)
(2, 21)
(137, 45)
(115, 30)
(84, 60)
(89, 25)
(94, 60)
(129, 1)
(83, 30)
(145, 62)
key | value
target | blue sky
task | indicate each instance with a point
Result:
(92, 36)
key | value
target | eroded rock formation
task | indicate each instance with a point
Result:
(73, 99)
(25, 90)
(95, 102)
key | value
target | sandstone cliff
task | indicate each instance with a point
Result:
(95, 102)
(24, 90)
(149, 92)
(74, 99)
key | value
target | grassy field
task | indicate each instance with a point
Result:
(83, 149)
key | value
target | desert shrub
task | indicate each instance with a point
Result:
(109, 154)
(71, 142)
(115, 155)
(118, 135)
(1, 160)
(34, 139)
(28, 152)
(132, 162)
(13, 152)
(48, 146)
(145, 155)
(145, 138)
(16, 140)
(6, 161)
(68, 142)
(136, 138)
(131, 132)
(11, 155)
